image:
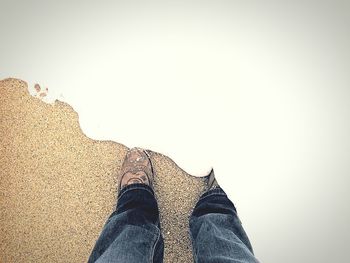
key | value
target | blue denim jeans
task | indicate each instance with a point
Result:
(132, 233)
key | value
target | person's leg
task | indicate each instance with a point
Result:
(216, 231)
(132, 232)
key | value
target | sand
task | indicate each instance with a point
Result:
(58, 186)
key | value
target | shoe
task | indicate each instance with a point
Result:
(212, 183)
(137, 168)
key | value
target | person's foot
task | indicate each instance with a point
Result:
(136, 168)
(212, 183)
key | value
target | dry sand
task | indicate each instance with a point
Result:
(58, 186)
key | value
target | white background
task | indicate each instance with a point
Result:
(259, 90)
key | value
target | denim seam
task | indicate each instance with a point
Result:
(154, 246)
(137, 187)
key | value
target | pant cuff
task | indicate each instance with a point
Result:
(215, 191)
(137, 186)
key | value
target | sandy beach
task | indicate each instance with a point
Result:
(58, 186)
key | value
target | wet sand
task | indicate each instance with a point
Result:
(58, 186)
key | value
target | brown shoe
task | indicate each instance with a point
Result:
(136, 168)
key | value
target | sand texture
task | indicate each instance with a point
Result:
(58, 186)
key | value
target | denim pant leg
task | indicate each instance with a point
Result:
(132, 232)
(216, 231)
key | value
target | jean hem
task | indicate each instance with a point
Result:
(137, 186)
(215, 191)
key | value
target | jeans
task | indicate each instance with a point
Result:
(132, 233)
